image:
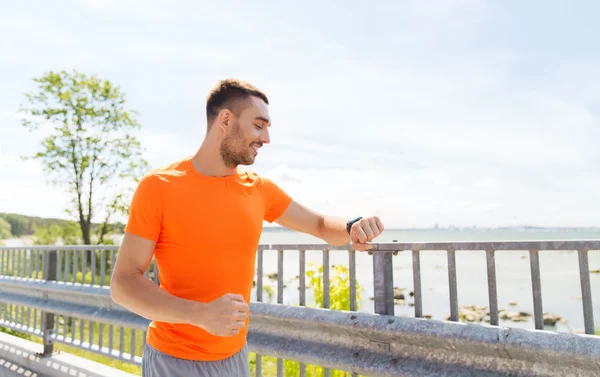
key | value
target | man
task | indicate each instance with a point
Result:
(201, 218)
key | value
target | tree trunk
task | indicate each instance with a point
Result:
(85, 230)
(87, 239)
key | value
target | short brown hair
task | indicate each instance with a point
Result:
(229, 94)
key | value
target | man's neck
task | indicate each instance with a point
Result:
(208, 161)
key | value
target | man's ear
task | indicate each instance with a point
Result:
(224, 120)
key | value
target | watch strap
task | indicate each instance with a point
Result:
(350, 223)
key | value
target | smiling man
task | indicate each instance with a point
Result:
(201, 219)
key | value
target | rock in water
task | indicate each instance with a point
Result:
(398, 295)
(551, 319)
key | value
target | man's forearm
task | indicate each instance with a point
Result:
(333, 231)
(148, 300)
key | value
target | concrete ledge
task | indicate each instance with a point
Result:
(21, 356)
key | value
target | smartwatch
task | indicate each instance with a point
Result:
(350, 223)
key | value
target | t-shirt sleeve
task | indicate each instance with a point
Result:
(145, 211)
(276, 200)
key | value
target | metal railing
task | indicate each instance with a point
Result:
(61, 294)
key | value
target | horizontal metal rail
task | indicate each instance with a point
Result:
(456, 246)
(71, 300)
(376, 345)
(542, 245)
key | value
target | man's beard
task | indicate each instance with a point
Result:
(234, 150)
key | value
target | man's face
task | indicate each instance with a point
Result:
(247, 134)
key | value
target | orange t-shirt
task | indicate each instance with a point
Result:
(206, 230)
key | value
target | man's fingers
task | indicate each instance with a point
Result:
(368, 231)
(239, 324)
(379, 224)
(375, 227)
(238, 302)
(361, 246)
(241, 306)
(237, 297)
(365, 231)
(360, 234)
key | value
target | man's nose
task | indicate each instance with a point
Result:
(264, 136)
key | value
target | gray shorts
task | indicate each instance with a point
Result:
(158, 364)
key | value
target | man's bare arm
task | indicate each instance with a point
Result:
(331, 229)
(328, 228)
(131, 289)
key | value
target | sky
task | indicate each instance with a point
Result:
(456, 113)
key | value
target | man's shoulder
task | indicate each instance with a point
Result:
(165, 174)
(249, 176)
(266, 183)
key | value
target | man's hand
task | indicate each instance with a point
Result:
(224, 316)
(365, 230)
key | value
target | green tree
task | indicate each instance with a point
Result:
(46, 235)
(70, 233)
(4, 229)
(90, 149)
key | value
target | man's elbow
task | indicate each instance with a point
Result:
(321, 230)
(116, 289)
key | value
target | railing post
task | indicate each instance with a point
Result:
(536, 285)
(383, 283)
(586, 292)
(50, 262)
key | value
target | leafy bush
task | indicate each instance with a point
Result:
(339, 287)
(339, 294)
